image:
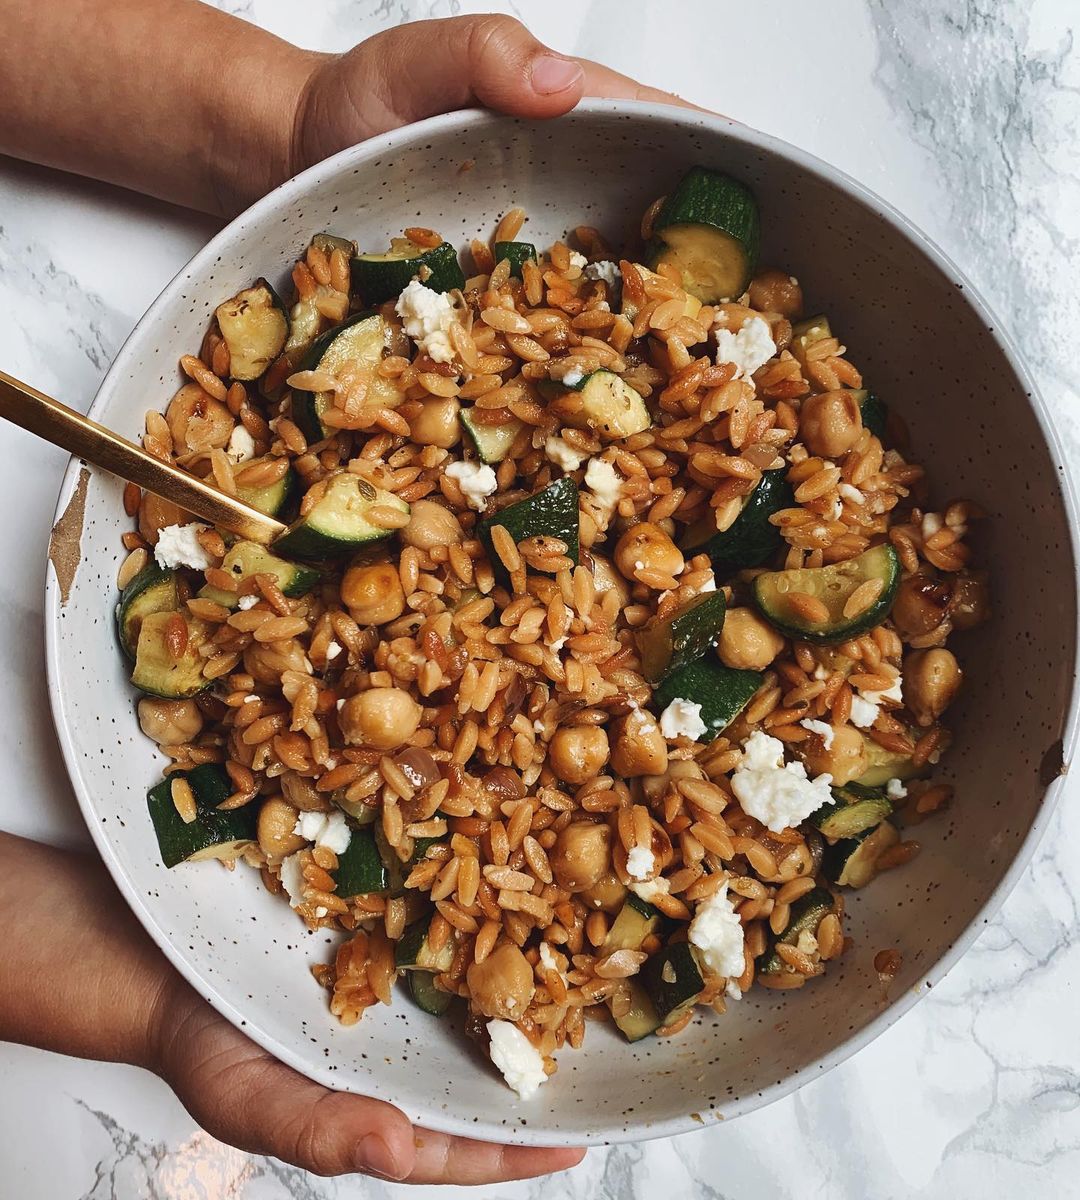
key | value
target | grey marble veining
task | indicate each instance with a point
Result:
(965, 114)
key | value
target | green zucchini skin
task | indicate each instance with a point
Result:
(873, 412)
(806, 915)
(245, 559)
(674, 642)
(428, 996)
(852, 862)
(213, 834)
(670, 997)
(275, 499)
(752, 538)
(633, 924)
(336, 524)
(516, 254)
(713, 200)
(493, 442)
(832, 584)
(379, 278)
(153, 590)
(552, 511)
(307, 407)
(640, 1019)
(854, 810)
(329, 242)
(723, 692)
(360, 870)
(413, 953)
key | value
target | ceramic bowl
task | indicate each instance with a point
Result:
(930, 348)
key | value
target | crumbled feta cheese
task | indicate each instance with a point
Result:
(522, 1065)
(682, 718)
(823, 729)
(578, 260)
(606, 270)
(893, 692)
(732, 990)
(562, 454)
(864, 712)
(821, 672)
(604, 482)
(851, 493)
(573, 377)
(246, 602)
(640, 862)
(241, 445)
(931, 523)
(708, 586)
(779, 795)
(558, 643)
(807, 943)
(324, 829)
(650, 890)
(179, 546)
(321, 911)
(748, 349)
(547, 959)
(717, 933)
(427, 317)
(292, 879)
(476, 480)
(895, 790)
(332, 651)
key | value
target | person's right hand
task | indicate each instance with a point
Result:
(426, 68)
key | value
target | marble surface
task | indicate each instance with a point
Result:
(963, 113)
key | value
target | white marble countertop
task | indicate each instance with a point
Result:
(963, 113)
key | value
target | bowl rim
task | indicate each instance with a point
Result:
(436, 1118)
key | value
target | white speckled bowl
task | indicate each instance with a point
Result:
(930, 348)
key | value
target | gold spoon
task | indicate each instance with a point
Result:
(78, 435)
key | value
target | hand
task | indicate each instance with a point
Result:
(430, 67)
(245, 1097)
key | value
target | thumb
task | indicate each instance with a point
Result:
(245, 1097)
(429, 67)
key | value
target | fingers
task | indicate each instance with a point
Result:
(606, 84)
(243, 1096)
(428, 67)
(444, 1159)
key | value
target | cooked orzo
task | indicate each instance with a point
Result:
(607, 646)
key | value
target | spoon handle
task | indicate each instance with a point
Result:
(78, 435)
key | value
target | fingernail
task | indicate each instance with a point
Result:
(551, 73)
(373, 1157)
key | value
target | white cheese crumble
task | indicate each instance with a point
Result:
(292, 879)
(749, 349)
(895, 790)
(640, 862)
(321, 912)
(717, 933)
(606, 270)
(241, 445)
(578, 260)
(848, 492)
(863, 712)
(779, 795)
(522, 1065)
(573, 377)
(324, 829)
(604, 482)
(332, 651)
(708, 586)
(476, 480)
(650, 890)
(562, 454)
(246, 602)
(682, 718)
(427, 317)
(823, 729)
(179, 546)
(932, 523)
(558, 643)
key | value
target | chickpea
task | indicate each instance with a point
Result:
(607, 579)
(846, 759)
(197, 421)
(155, 514)
(579, 753)
(373, 593)
(383, 718)
(581, 855)
(170, 722)
(431, 524)
(437, 423)
(645, 546)
(607, 893)
(266, 664)
(502, 985)
(639, 747)
(776, 291)
(654, 786)
(931, 681)
(302, 794)
(277, 820)
(830, 423)
(747, 641)
(921, 605)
